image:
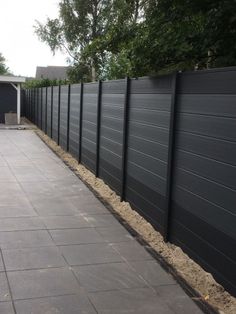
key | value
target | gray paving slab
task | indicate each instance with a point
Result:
(69, 304)
(62, 251)
(1, 264)
(10, 211)
(6, 175)
(105, 220)
(138, 301)
(10, 189)
(21, 223)
(114, 234)
(91, 209)
(64, 222)
(53, 206)
(6, 308)
(90, 254)
(38, 190)
(15, 200)
(76, 236)
(153, 273)
(29, 284)
(104, 277)
(28, 174)
(132, 251)
(24, 239)
(4, 289)
(33, 258)
(177, 299)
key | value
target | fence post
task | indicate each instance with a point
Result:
(33, 112)
(41, 111)
(59, 115)
(35, 106)
(46, 111)
(37, 97)
(98, 126)
(30, 108)
(31, 103)
(28, 100)
(170, 162)
(68, 121)
(80, 120)
(51, 110)
(125, 138)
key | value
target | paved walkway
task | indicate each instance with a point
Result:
(62, 251)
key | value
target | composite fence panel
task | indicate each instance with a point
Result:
(63, 116)
(148, 135)
(36, 106)
(204, 194)
(33, 106)
(39, 107)
(23, 102)
(27, 103)
(44, 106)
(111, 133)
(74, 120)
(55, 113)
(89, 126)
(49, 110)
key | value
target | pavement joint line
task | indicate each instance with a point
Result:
(62, 245)
(46, 297)
(40, 268)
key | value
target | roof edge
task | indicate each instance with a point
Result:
(12, 79)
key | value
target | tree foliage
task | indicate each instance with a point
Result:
(3, 68)
(34, 83)
(79, 24)
(115, 38)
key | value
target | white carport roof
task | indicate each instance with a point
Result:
(11, 79)
(15, 81)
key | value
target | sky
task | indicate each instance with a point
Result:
(18, 42)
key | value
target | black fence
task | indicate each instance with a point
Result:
(167, 145)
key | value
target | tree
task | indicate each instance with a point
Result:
(125, 18)
(114, 38)
(3, 68)
(79, 23)
(184, 34)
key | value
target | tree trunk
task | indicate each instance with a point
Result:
(93, 74)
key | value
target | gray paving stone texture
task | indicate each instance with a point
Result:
(62, 251)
